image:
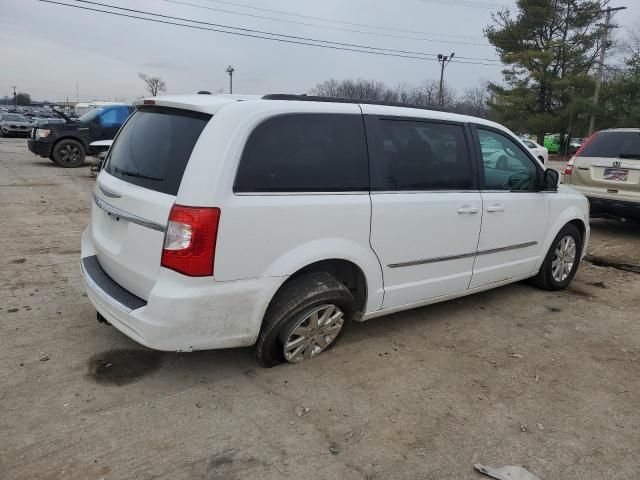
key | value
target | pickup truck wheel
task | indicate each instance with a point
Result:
(68, 153)
(306, 317)
(562, 260)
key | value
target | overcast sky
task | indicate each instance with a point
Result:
(46, 49)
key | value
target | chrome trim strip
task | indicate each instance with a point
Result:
(431, 260)
(109, 193)
(504, 249)
(101, 292)
(462, 255)
(111, 210)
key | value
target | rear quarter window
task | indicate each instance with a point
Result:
(305, 153)
(154, 146)
(613, 145)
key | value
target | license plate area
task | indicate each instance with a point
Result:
(615, 174)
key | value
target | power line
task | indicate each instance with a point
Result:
(260, 34)
(331, 27)
(342, 22)
(468, 4)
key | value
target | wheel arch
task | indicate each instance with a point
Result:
(345, 271)
(572, 215)
(70, 137)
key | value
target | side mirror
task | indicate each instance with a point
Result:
(550, 180)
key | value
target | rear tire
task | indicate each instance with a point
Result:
(69, 153)
(559, 266)
(290, 307)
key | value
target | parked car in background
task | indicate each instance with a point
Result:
(552, 143)
(67, 144)
(575, 144)
(100, 150)
(227, 221)
(495, 156)
(540, 152)
(14, 124)
(606, 170)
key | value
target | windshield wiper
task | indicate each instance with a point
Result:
(136, 174)
(629, 155)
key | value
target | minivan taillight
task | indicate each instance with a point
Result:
(190, 240)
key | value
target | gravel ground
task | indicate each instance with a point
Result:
(510, 376)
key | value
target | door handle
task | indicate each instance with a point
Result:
(498, 207)
(468, 209)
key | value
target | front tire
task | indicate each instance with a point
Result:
(69, 153)
(562, 260)
(306, 318)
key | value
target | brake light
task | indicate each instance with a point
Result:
(148, 102)
(568, 169)
(190, 240)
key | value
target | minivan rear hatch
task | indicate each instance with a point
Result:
(610, 161)
(136, 190)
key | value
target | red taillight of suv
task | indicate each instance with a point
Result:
(190, 240)
(569, 167)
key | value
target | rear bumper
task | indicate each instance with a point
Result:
(617, 208)
(181, 313)
(39, 148)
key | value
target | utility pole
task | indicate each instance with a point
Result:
(600, 75)
(443, 60)
(15, 97)
(230, 71)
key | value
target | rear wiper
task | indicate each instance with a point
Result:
(136, 174)
(629, 155)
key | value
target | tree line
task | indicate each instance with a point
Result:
(550, 50)
(473, 101)
(21, 98)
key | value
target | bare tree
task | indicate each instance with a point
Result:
(426, 94)
(153, 84)
(631, 49)
(358, 89)
(475, 101)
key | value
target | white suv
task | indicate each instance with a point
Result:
(227, 221)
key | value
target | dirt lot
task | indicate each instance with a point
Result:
(511, 376)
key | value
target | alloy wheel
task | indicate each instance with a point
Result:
(313, 333)
(564, 257)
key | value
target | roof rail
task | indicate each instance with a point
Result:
(314, 98)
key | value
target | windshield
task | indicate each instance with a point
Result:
(613, 145)
(90, 115)
(11, 117)
(153, 148)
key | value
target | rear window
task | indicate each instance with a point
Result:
(305, 153)
(613, 145)
(153, 148)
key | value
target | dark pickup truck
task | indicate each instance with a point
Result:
(67, 144)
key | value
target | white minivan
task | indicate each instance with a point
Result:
(225, 221)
